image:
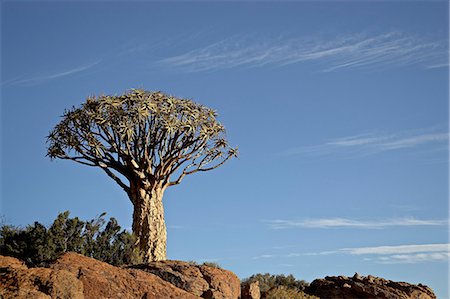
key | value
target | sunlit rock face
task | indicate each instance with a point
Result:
(368, 287)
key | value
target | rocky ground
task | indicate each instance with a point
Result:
(367, 287)
(74, 276)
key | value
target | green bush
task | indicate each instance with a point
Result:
(212, 264)
(38, 245)
(268, 281)
(279, 286)
(282, 292)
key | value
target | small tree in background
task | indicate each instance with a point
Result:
(146, 142)
(269, 281)
(279, 286)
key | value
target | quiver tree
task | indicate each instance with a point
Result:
(146, 142)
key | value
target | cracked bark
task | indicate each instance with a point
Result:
(148, 222)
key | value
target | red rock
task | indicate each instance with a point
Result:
(101, 280)
(76, 276)
(223, 284)
(203, 281)
(251, 291)
(369, 287)
(17, 281)
(11, 262)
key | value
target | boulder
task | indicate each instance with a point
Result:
(18, 281)
(11, 262)
(369, 287)
(223, 284)
(251, 291)
(76, 276)
(101, 280)
(200, 280)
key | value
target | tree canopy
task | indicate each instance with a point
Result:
(149, 136)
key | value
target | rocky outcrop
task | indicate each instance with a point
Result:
(74, 276)
(101, 280)
(251, 291)
(369, 287)
(17, 281)
(200, 280)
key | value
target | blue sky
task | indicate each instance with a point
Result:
(339, 110)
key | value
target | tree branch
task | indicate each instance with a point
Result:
(115, 178)
(78, 160)
(209, 168)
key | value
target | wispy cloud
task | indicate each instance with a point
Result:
(439, 65)
(367, 144)
(41, 78)
(313, 253)
(330, 223)
(414, 258)
(399, 254)
(263, 256)
(399, 249)
(354, 51)
(409, 254)
(414, 141)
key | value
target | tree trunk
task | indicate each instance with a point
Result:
(148, 222)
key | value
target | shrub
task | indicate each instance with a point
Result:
(268, 281)
(282, 292)
(279, 286)
(212, 264)
(37, 245)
